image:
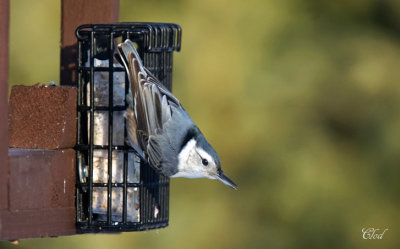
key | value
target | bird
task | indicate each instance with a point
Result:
(160, 129)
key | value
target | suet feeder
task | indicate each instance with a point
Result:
(116, 190)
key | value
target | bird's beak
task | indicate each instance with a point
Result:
(226, 180)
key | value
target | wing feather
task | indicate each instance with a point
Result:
(154, 153)
(150, 103)
(166, 110)
(131, 129)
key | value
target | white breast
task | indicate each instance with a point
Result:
(187, 166)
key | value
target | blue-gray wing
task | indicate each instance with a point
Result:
(170, 140)
(154, 115)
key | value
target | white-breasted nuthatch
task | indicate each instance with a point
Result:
(160, 129)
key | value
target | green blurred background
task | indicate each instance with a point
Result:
(300, 98)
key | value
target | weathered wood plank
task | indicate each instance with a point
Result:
(37, 223)
(42, 194)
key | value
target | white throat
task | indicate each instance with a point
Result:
(186, 166)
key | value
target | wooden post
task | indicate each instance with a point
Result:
(37, 187)
(73, 14)
(4, 24)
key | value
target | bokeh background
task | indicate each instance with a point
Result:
(301, 98)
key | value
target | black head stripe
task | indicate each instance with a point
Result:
(191, 133)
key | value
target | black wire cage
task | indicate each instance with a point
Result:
(116, 190)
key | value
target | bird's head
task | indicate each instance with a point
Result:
(198, 158)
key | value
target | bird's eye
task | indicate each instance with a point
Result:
(205, 162)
